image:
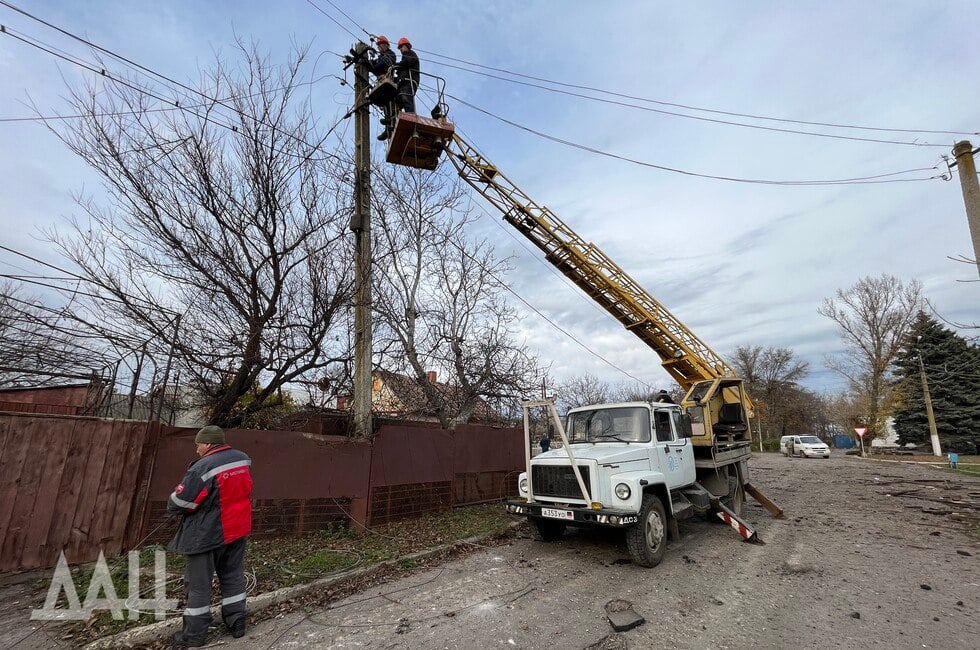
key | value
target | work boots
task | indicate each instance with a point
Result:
(181, 640)
(238, 629)
(384, 135)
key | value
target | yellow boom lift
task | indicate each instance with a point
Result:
(715, 398)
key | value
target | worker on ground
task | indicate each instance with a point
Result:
(380, 66)
(214, 500)
(545, 442)
(408, 80)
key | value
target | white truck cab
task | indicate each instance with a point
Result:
(631, 465)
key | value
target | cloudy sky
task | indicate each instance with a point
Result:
(739, 263)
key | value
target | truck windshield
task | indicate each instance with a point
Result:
(621, 424)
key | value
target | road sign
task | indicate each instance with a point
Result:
(860, 431)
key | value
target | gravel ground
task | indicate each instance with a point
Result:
(865, 557)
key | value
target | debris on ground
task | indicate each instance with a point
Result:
(622, 616)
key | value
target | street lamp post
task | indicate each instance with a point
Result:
(933, 433)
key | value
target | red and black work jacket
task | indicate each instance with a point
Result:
(215, 499)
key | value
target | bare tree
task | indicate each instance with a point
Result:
(439, 300)
(637, 392)
(583, 390)
(38, 345)
(872, 318)
(221, 238)
(772, 376)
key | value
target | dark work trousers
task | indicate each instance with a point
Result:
(229, 563)
(406, 96)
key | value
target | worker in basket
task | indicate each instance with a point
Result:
(408, 82)
(381, 65)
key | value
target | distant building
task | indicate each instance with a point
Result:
(401, 397)
(75, 399)
(182, 407)
(890, 441)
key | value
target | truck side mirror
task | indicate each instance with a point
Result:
(685, 426)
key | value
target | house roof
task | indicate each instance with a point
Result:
(409, 392)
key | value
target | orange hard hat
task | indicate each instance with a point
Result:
(382, 39)
(404, 41)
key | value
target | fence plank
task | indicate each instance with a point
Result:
(103, 536)
(80, 541)
(48, 507)
(129, 482)
(25, 495)
(139, 507)
(70, 489)
(11, 466)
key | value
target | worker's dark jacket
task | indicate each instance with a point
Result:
(215, 499)
(382, 63)
(408, 69)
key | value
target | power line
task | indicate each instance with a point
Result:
(65, 315)
(77, 116)
(699, 118)
(205, 118)
(656, 101)
(537, 311)
(523, 244)
(345, 14)
(334, 20)
(861, 180)
(689, 107)
(133, 64)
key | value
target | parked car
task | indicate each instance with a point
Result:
(803, 446)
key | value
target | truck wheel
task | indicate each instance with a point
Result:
(735, 501)
(647, 540)
(547, 530)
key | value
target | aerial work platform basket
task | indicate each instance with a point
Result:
(419, 141)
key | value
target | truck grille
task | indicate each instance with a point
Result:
(558, 481)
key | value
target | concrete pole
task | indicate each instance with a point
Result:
(971, 192)
(361, 225)
(936, 451)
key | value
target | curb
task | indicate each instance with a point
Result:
(163, 630)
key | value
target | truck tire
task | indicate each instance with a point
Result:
(548, 530)
(736, 500)
(647, 540)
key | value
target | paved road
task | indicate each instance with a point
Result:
(846, 568)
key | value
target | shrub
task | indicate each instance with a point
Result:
(770, 445)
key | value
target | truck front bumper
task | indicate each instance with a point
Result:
(572, 514)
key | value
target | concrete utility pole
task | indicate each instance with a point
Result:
(361, 225)
(971, 192)
(933, 433)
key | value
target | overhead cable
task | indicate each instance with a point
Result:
(139, 67)
(860, 180)
(687, 106)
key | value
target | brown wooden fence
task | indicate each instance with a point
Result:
(85, 484)
(66, 483)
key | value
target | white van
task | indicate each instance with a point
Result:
(803, 446)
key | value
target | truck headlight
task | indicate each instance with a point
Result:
(522, 486)
(623, 491)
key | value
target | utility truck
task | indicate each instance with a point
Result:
(636, 465)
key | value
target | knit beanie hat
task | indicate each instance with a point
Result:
(210, 435)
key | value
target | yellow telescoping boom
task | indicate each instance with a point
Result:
(715, 397)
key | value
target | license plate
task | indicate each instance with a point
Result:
(557, 514)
